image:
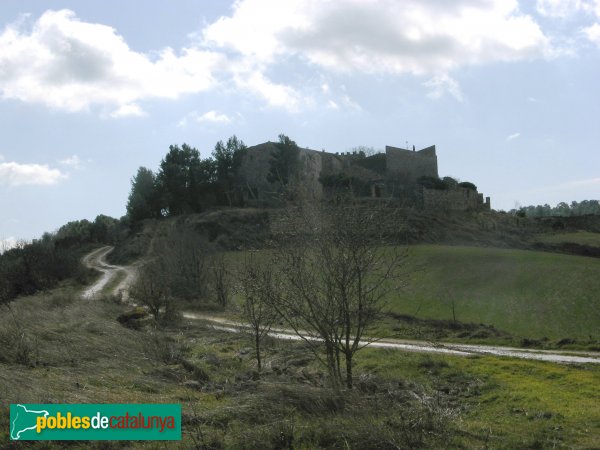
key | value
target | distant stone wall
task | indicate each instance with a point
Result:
(393, 174)
(458, 199)
(407, 166)
(255, 167)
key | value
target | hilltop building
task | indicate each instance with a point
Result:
(410, 175)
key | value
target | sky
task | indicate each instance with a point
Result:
(507, 90)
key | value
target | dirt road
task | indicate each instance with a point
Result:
(97, 260)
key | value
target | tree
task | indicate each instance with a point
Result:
(227, 159)
(151, 290)
(184, 256)
(257, 287)
(180, 180)
(220, 279)
(336, 272)
(142, 202)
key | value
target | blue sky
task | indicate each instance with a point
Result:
(508, 91)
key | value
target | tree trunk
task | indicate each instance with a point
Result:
(349, 370)
(257, 345)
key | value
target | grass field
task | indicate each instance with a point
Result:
(506, 403)
(527, 293)
(579, 237)
(59, 348)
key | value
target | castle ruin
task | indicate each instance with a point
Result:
(409, 175)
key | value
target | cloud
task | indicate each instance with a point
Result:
(558, 8)
(72, 161)
(214, 117)
(14, 174)
(567, 8)
(380, 36)
(274, 94)
(443, 84)
(7, 244)
(513, 136)
(72, 65)
(593, 33)
(208, 117)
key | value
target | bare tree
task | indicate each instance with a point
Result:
(257, 285)
(220, 280)
(184, 256)
(151, 290)
(338, 268)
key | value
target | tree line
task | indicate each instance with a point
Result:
(41, 264)
(583, 208)
(186, 183)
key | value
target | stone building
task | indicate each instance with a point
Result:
(395, 173)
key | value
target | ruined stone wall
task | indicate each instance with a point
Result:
(407, 166)
(311, 165)
(458, 199)
(255, 167)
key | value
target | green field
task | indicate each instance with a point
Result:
(58, 348)
(579, 237)
(527, 293)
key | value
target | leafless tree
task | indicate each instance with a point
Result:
(338, 268)
(257, 285)
(151, 290)
(220, 280)
(184, 257)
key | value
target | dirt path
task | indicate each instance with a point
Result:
(96, 260)
(421, 346)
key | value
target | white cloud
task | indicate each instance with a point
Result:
(567, 8)
(333, 105)
(593, 33)
(7, 244)
(513, 136)
(208, 117)
(73, 65)
(14, 174)
(558, 8)
(72, 161)
(442, 84)
(380, 36)
(274, 94)
(214, 117)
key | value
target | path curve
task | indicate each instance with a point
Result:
(579, 357)
(97, 260)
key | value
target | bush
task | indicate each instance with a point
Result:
(468, 185)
